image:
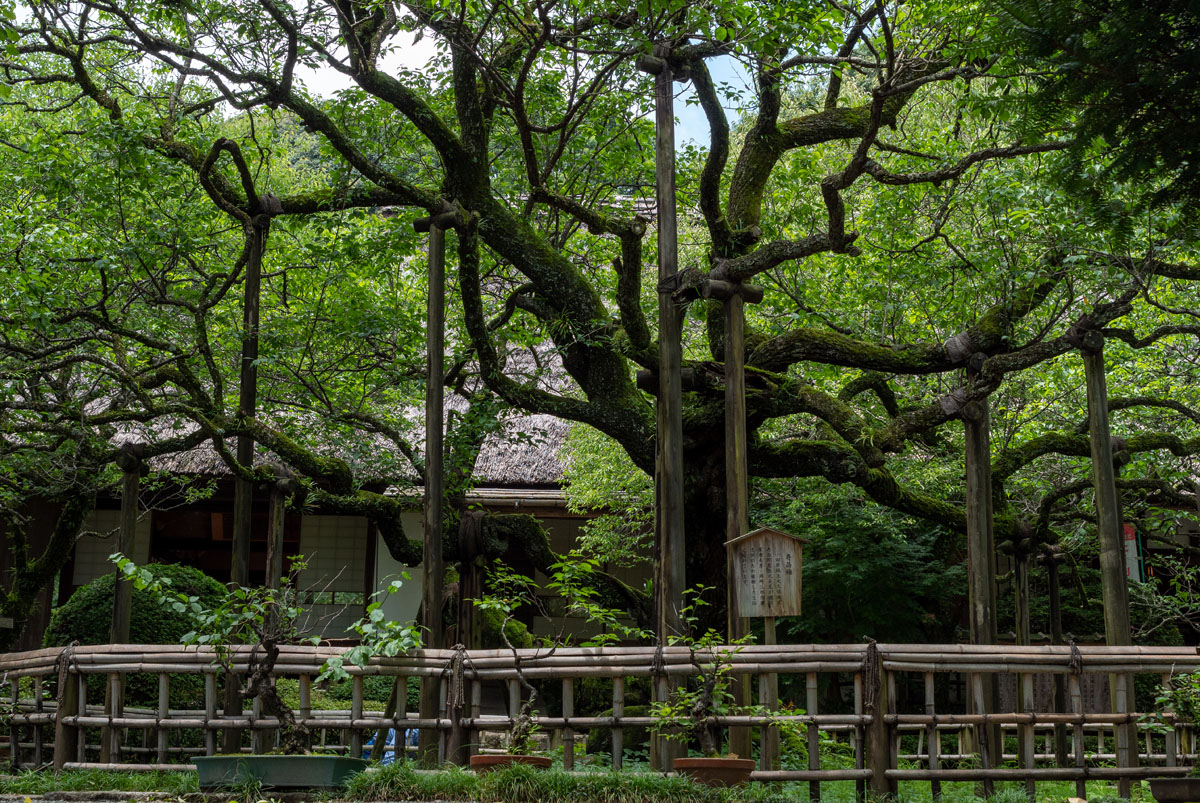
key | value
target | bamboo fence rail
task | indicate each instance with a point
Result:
(57, 721)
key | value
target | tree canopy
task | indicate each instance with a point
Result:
(883, 179)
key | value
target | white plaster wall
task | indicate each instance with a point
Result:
(91, 552)
(401, 606)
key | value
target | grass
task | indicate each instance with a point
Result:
(42, 782)
(521, 784)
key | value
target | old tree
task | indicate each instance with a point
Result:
(868, 164)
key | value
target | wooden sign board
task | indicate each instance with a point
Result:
(765, 579)
(6, 622)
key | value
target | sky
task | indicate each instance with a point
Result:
(691, 125)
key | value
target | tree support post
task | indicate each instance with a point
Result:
(432, 566)
(669, 568)
(129, 460)
(878, 735)
(1112, 546)
(66, 737)
(981, 562)
(1052, 557)
(737, 496)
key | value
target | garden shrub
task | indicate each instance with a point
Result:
(87, 618)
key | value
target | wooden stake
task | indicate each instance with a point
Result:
(123, 591)
(737, 494)
(432, 568)
(243, 489)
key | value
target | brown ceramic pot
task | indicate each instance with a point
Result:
(723, 772)
(1175, 790)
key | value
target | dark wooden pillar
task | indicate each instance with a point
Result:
(243, 489)
(432, 565)
(981, 566)
(1113, 582)
(130, 463)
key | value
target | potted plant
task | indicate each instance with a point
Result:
(571, 580)
(689, 714)
(266, 619)
(1178, 700)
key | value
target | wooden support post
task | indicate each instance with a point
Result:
(258, 737)
(812, 732)
(860, 759)
(879, 733)
(210, 713)
(1026, 733)
(1056, 638)
(356, 713)
(38, 729)
(123, 590)
(1171, 746)
(476, 712)
(737, 494)
(281, 490)
(1076, 698)
(987, 737)
(1021, 591)
(14, 731)
(568, 733)
(243, 489)
(164, 712)
(432, 569)
(1113, 578)
(931, 736)
(618, 733)
(669, 564)
(231, 738)
(81, 741)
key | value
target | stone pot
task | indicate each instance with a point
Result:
(278, 772)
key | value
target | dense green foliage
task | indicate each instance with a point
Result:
(87, 616)
(887, 173)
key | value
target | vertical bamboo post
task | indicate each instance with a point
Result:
(984, 733)
(210, 713)
(476, 712)
(81, 741)
(432, 569)
(38, 734)
(356, 714)
(130, 464)
(768, 698)
(860, 759)
(304, 684)
(1073, 692)
(1171, 746)
(14, 732)
(568, 733)
(878, 735)
(164, 712)
(813, 734)
(931, 736)
(1028, 746)
(1124, 743)
(258, 736)
(116, 682)
(1056, 638)
(66, 737)
(618, 733)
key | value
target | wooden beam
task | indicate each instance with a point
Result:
(243, 489)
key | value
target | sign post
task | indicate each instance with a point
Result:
(764, 580)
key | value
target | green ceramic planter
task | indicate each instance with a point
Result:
(278, 772)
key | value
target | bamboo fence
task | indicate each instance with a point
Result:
(55, 723)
